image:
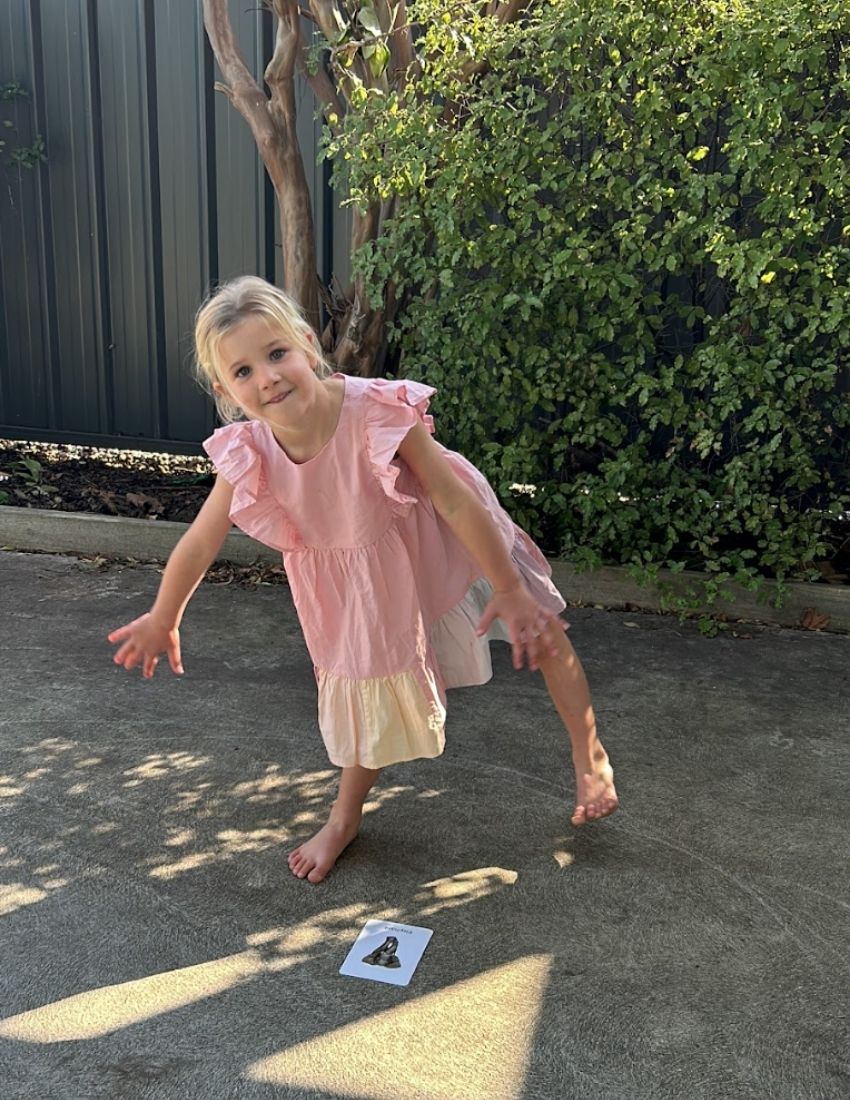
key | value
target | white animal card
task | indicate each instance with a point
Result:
(386, 952)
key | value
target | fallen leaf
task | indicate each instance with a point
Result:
(812, 619)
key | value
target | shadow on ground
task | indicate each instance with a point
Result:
(153, 944)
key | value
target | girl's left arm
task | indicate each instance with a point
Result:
(529, 624)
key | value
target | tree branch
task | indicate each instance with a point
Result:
(402, 55)
(405, 37)
(325, 92)
(323, 13)
(319, 82)
(243, 90)
(507, 11)
(286, 166)
(280, 71)
(273, 123)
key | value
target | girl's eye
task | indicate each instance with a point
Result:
(242, 372)
(278, 354)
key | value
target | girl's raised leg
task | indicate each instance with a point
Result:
(314, 859)
(567, 684)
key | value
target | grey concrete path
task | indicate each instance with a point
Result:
(153, 944)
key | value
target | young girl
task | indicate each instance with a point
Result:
(401, 562)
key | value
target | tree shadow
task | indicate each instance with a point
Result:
(154, 943)
(158, 895)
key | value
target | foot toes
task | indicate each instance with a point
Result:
(298, 865)
(598, 810)
(316, 875)
(585, 813)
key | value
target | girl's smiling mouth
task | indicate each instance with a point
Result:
(276, 400)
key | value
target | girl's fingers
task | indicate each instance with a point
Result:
(134, 657)
(485, 621)
(527, 645)
(540, 642)
(118, 635)
(549, 634)
(129, 656)
(537, 650)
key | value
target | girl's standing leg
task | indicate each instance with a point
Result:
(567, 684)
(314, 859)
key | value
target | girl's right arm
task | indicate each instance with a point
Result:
(156, 632)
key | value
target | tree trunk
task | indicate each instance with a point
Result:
(272, 122)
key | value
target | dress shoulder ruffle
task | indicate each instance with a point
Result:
(236, 456)
(391, 410)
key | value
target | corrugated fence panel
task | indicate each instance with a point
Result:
(74, 255)
(24, 389)
(153, 191)
(187, 190)
(122, 145)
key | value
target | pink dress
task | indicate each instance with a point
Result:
(387, 596)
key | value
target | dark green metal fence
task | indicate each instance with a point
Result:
(151, 191)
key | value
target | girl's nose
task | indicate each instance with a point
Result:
(270, 374)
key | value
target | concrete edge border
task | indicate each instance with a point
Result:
(117, 536)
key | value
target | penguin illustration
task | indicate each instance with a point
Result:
(385, 955)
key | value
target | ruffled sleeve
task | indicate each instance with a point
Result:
(253, 509)
(392, 408)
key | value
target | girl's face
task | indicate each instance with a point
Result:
(261, 370)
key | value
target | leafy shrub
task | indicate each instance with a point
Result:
(622, 254)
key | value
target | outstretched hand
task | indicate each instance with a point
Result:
(529, 625)
(144, 639)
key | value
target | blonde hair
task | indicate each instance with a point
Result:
(229, 305)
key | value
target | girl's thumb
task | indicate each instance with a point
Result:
(484, 624)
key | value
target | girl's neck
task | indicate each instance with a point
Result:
(304, 442)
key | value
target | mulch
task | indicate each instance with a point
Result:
(140, 484)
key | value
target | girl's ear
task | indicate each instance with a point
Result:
(311, 340)
(220, 391)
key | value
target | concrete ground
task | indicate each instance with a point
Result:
(153, 944)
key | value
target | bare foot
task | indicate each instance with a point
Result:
(315, 857)
(595, 795)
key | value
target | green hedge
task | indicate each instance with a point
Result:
(622, 255)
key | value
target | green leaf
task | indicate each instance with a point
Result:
(367, 17)
(377, 56)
